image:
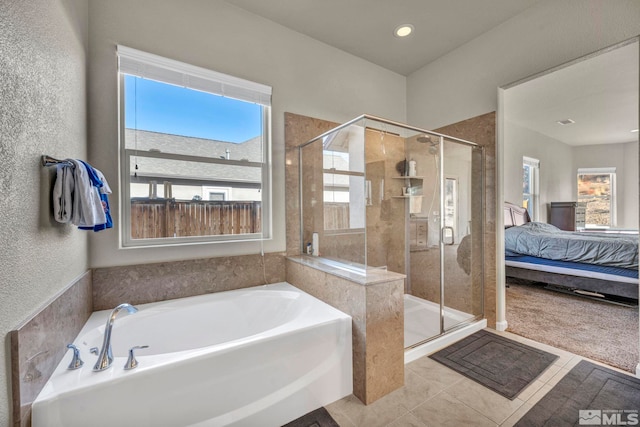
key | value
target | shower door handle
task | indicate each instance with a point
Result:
(443, 237)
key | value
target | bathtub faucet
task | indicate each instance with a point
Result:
(105, 358)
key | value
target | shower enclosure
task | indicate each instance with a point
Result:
(377, 194)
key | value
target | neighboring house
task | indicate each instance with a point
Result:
(235, 173)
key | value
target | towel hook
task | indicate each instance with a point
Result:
(50, 161)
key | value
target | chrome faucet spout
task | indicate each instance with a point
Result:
(105, 358)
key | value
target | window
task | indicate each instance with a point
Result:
(345, 192)
(530, 186)
(597, 188)
(194, 153)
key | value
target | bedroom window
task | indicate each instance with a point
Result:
(597, 188)
(194, 153)
(530, 186)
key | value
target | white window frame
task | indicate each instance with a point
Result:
(154, 67)
(613, 202)
(534, 164)
(207, 190)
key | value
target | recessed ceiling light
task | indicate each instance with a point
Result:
(403, 30)
(565, 122)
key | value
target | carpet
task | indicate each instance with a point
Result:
(318, 418)
(589, 394)
(594, 329)
(500, 364)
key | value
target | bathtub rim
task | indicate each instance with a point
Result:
(64, 381)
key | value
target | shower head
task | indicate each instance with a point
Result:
(433, 144)
(427, 138)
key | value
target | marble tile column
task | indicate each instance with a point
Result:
(376, 305)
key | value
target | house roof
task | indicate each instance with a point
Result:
(158, 155)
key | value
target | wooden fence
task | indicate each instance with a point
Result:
(336, 216)
(155, 218)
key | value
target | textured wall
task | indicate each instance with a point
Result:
(43, 45)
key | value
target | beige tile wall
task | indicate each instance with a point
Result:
(139, 284)
(377, 310)
(38, 344)
(378, 325)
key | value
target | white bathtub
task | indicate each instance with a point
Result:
(261, 356)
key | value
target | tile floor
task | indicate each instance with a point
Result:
(435, 395)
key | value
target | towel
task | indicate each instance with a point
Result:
(87, 205)
(80, 196)
(63, 193)
(415, 204)
(98, 180)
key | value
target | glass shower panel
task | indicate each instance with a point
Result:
(379, 194)
(333, 196)
(423, 296)
(461, 233)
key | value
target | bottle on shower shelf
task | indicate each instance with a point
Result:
(412, 167)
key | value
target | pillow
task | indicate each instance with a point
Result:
(541, 226)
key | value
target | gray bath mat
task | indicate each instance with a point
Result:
(505, 366)
(589, 394)
(318, 418)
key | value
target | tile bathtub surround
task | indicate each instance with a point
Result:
(377, 310)
(298, 130)
(38, 344)
(139, 284)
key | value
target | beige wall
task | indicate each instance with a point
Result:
(308, 77)
(623, 157)
(464, 82)
(557, 175)
(43, 45)
(559, 163)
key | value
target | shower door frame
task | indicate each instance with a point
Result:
(442, 182)
(442, 177)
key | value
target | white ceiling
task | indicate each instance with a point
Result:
(364, 28)
(600, 94)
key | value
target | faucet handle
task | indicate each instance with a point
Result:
(131, 361)
(76, 362)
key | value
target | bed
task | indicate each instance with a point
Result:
(587, 263)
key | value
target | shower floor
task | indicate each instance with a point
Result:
(422, 319)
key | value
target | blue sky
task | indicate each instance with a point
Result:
(176, 110)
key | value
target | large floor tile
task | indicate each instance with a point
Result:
(408, 420)
(444, 410)
(489, 403)
(436, 373)
(380, 413)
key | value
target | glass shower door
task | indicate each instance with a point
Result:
(462, 188)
